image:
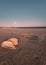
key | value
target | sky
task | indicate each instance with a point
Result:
(22, 13)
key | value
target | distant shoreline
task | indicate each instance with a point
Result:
(22, 27)
(30, 27)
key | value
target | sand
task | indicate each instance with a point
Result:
(28, 52)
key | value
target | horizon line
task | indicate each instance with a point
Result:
(25, 27)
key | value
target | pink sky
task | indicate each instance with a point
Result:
(22, 24)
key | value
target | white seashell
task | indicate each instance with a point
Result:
(8, 44)
(14, 41)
